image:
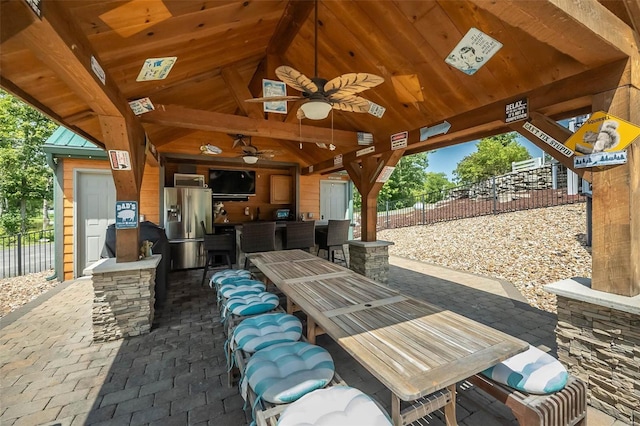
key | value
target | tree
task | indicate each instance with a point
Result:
(25, 181)
(494, 156)
(406, 181)
(436, 185)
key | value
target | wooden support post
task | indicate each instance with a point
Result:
(616, 206)
(364, 177)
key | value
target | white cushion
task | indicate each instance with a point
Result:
(251, 304)
(334, 406)
(258, 332)
(284, 372)
(531, 371)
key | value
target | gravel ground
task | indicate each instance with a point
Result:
(527, 248)
(18, 291)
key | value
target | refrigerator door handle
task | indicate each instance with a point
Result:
(188, 219)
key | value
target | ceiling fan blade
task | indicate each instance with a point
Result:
(275, 99)
(267, 153)
(351, 103)
(296, 79)
(352, 83)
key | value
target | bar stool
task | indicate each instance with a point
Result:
(257, 237)
(300, 235)
(335, 237)
(217, 245)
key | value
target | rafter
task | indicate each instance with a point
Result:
(176, 116)
(562, 24)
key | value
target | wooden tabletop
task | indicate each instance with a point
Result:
(413, 347)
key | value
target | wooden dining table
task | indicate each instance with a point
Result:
(416, 349)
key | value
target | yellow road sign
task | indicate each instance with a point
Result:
(602, 132)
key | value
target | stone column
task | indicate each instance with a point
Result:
(370, 258)
(598, 336)
(124, 295)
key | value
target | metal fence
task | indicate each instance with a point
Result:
(26, 253)
(542, 187)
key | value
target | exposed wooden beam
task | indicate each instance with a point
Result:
(294, 17)
(633, 9)
(13, 19)
(176, 116)
(241, 93)
(562, 23)
(489, 119)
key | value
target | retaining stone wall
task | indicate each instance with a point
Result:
(602, 346)
(123, 303)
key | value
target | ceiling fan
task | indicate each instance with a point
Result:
(322, 95)
(250, 153)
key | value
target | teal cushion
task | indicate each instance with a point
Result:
(334, 406)
(251, 304)
(258, 332)
(531, 371)
(227, 275)
(284, 372)
(241, 288)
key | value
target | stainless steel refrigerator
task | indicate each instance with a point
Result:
(184, 209)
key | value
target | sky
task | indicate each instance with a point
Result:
(446, 159)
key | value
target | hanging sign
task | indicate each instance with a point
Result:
(310, 169)
(126, 214)
(473, 51)
(385, 174)
(600, 159)
(365, 138)
(119, 160)
(438, 129)
(140, 106)
(365, 151)
(603, 132)
(156, 68)
(271, 88)
(399, 140)
(35, 6)
(376, 110)
(337, 160)
(516, 111)
(567, 152)
(98, 71)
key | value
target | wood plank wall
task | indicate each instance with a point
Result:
(310, 195)
(149, 202)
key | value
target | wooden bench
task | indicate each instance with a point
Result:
(567, 407)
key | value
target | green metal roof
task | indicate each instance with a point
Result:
(64, 143)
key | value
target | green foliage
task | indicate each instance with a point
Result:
(436, 186)
(406, 181)
(494, 156)
(25, 181)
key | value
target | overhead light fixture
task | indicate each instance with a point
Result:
(250, 159)
(316, 109)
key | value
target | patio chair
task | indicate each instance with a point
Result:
(217, 245)
(300, 235)
(257, 237)
(334, 238)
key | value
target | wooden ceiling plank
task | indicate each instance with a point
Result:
(13, 20)
(172, 115)
(490, 118)
(585, 30)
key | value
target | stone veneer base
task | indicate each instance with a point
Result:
(370, 258)
(124, 295)
(598, 336)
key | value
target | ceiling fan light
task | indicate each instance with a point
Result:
(250, 159)
(316, 109)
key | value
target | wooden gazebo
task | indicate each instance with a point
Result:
(78, 61)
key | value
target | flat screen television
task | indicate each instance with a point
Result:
(232, 182)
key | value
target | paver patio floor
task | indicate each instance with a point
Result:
(51, 372)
